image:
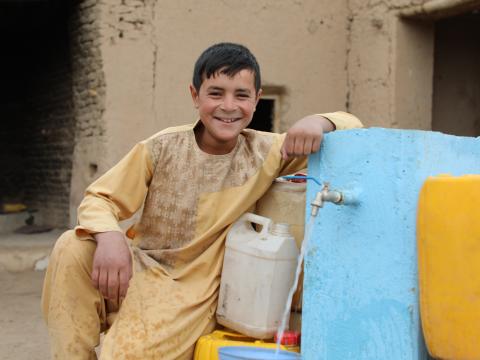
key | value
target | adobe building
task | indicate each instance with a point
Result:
(85, 80)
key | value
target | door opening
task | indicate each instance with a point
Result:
(264, 115)
(456, 83)
(36, 108)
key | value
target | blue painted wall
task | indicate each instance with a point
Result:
(360, 287)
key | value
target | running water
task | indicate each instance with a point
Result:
(286, 313)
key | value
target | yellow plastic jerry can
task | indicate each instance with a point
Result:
(207, 346)
(448, 238)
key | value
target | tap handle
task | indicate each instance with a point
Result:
(301, 177)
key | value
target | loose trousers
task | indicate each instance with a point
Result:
(158, 319)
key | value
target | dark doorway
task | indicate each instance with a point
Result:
(264, 115)
(36, 107)
(456, 85)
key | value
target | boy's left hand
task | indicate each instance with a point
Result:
(305, 136)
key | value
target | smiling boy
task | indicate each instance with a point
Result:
(194, 182)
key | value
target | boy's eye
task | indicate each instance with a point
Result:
(215, 94)
(243, 96)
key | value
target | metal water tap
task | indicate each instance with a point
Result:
(346, 197)
(325, 195)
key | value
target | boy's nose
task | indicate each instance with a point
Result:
(228, 103)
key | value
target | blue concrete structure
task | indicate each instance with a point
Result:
(360, 287)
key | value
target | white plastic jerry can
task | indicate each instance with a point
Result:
(258, 272)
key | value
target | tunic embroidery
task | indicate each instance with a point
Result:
(180, 175)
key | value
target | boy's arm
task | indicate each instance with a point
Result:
(306, 135)
(343, 120)
(115, 196)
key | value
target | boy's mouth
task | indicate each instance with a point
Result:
(227, 120)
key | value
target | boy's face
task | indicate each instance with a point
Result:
(225, 106)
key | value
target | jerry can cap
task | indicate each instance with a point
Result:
(289, 337)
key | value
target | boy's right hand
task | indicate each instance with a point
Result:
(112, 265)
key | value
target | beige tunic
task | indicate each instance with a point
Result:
(190, 199)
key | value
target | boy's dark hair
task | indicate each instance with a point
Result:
(225, 58)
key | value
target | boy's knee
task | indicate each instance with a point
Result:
(70, 250)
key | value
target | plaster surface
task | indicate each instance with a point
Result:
(371, 58)
(149, 50)
(360, 288)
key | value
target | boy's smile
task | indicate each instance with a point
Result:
(225, 105)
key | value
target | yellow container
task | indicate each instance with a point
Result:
(207, 346)
(448, 237)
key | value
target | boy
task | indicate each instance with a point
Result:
(194, 181)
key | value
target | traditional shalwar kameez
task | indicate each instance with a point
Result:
(190, 199)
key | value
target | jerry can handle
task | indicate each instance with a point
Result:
(230, 335)
(257, 219)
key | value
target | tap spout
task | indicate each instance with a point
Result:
(325, 195)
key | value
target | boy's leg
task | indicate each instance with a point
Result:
(73, 309)
(160, 318)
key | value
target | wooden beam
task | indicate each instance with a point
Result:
(438, 9)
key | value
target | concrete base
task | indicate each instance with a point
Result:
(22, 252)
(360, 297)
(10, 222)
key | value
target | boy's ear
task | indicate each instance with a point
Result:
(259, 94)
(194, 94)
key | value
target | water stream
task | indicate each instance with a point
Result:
(288, 305)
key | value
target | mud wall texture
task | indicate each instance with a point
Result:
(89, 100)
(372, 58)
(133, 62)
(150, 48)
(389, 65)
(390, 51)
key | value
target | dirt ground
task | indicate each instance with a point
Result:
(23, 334)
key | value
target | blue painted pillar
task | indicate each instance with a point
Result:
(360, 287)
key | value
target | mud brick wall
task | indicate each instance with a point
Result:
(88, 79)
(88, 95)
